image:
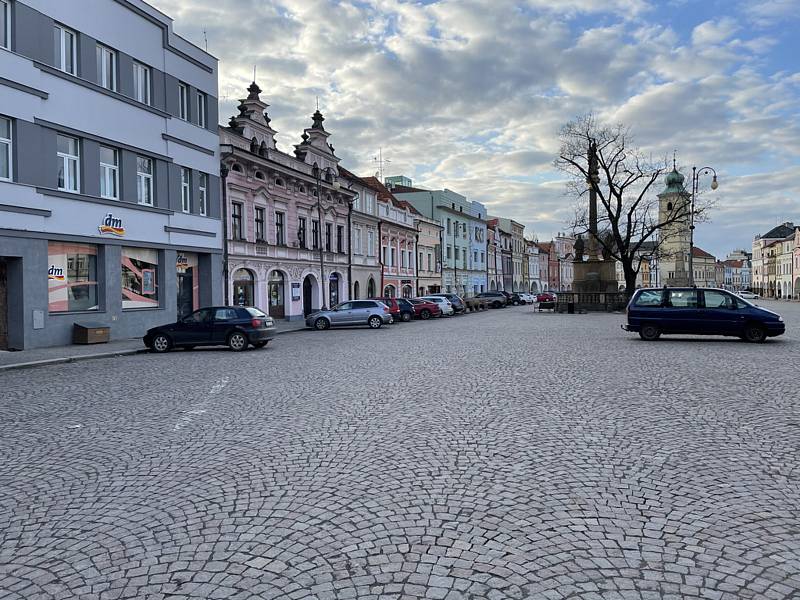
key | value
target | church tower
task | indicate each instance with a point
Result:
(674, 203)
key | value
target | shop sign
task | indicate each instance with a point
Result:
(405, 282)
(295, 291)
(55, 273)
(148, 281)
(182, 263)
(112, 225)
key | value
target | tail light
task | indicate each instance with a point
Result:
(256, 322)
(386, 309)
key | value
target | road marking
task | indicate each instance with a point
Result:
(199, 408)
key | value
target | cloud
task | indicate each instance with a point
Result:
(471, 94)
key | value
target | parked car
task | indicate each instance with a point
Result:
(528, 298)
(425, 309)
(373, 313)
(234, 326)
(394, 307)
(546, 297)
(457, 301)
(495, 299)
(515, 299)
(407, 311)
(444, 304)
(747, 295)
(704, 311)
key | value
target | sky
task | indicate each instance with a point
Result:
(471, 94)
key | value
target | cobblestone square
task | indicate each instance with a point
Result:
(504, 454)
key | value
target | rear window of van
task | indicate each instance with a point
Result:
(648, 298)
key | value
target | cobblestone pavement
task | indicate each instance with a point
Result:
(498, 455)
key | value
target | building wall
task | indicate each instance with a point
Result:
(43, 102)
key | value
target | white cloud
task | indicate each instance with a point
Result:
(471, 94)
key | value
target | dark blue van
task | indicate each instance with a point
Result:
(699, 311)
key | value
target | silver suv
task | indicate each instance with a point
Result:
(356, 312)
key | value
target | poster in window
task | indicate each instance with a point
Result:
(295, 291)
(148, 281)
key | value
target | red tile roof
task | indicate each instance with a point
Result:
(700, 253)
(385, 195)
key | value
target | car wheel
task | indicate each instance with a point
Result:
(755, 334)
(261, 344)
(650, 333)
(496, 304)
(425, 314)
(237, 341)
(161, 343)
(321, 324)
(375, 322)
(405, 317)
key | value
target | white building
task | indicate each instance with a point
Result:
(109, 167)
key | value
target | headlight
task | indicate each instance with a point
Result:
(780, 319)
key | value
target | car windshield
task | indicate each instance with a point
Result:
(254, 312)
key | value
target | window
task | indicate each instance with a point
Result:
(392, 257)
(68, 164)
(71, 277)
(449, 251)
(383, 251)
(357, 202)
(202, 193)
(5, 25)
(107, 68)
(429, 261)
(141, 83)
(682, 298)
(139, 278)
(186, 190)
(420, 260)
(649, 298)
(370, 243)
(236, 221)
(315, 234)
(340, 239)
(109, 173)
(456, 252)
(357, 240)
(260, 224)
(301, 232)
(5, 147)
(183, 101)
(719, 300)
(403, 262)
(202, 109)
(280, 238)
(144, 180)
(328, 228)
(448, 226)
(64, 49)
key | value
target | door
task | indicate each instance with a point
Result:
(223, 322)
(194, 329)
(720, 313)
(682, 313)
(343, 315)
(3, 305)
(307, 296)
(185, 293)
(277, 309)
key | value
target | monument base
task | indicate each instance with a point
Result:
(595, 277)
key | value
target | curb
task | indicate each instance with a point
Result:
(80, 357)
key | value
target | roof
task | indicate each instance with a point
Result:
(781, 231)
(545, 246)
(700, 253)
(736, 264)
(406, 189)
(385, 195)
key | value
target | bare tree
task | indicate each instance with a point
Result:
(629, 226)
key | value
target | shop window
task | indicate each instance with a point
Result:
(139, 278)
(71, 277)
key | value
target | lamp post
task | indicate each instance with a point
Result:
(223, 172)
(696, 173)
(316, 173)
(455, 262)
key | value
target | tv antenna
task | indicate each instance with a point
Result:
(205, 37)
(380, 161)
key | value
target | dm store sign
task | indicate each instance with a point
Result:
(112, 225)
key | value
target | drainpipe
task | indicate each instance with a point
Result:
(223, 172)
(350, 249)
(416, 270)
(380, 254)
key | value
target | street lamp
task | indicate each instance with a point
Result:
(696, 173)
(315, 171)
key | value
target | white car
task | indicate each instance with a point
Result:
(747, 295)
(529, 298)
(444, 304)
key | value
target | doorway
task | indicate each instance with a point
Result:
(277, 307)
(3, 305)
(308, 295)
(185, 293)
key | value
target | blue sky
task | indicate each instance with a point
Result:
(471, 94)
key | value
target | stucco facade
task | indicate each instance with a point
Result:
(109, 194)
(288, 216)
(429, 249)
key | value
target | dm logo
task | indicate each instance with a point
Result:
(55, 273)
(112, 225)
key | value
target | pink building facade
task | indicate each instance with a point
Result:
(287, 216)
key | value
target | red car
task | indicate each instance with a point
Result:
(546, 297)
(394, 307)
(424, 309)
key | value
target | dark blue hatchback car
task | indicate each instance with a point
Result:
(699, 311)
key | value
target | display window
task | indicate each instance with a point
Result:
(71, 277)
(139, 278)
